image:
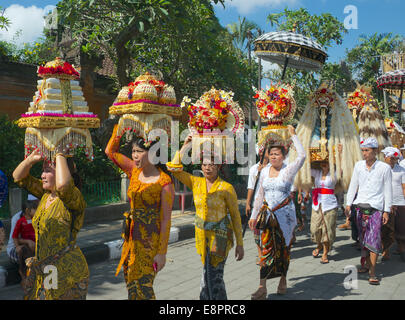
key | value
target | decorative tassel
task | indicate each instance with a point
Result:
(51, 142)
(141, 124)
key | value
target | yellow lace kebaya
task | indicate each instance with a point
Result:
(213, 229)
(56, 229)
(143, 235)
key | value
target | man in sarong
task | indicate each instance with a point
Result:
(372, 180)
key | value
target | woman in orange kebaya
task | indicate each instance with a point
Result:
(147, 225)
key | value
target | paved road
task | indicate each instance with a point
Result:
(307, 278)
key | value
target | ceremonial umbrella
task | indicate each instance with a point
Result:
(394, 80)
(290, 49)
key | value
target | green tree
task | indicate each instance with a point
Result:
(325, 29)
(365, 59)
(8, 51)
(340, 75)
(112, 25)
(241, 31)
(12, 135)
(193, 52)
(4, 21)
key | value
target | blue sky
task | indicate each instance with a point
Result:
(373, 16)
(380, 16)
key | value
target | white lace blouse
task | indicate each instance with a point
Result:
(276, 190)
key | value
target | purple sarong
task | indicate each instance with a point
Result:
(369, 227)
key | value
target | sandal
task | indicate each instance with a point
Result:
(260, 294)
(324, 261)
(362, 270)
(373, 280)
(316, 252)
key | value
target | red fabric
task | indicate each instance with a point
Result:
(24, 230)
(319, 191)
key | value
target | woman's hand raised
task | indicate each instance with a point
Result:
(291, 130)
(186, 143)
(35, 157)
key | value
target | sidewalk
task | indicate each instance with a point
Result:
(101, 241)
(307, 278)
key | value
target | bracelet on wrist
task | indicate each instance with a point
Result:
(60, 154)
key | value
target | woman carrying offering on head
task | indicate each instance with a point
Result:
(274, 214)
(147, 225)
(324, 209)
(57, 221)
(217, 219)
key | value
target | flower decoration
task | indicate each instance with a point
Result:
(359, 98)
(58, 67)
(211, 111)
(148, 143)
(158, 84)
(276, 104)
(389, 123)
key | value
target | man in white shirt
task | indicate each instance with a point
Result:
(372, 180)
(395, 228)
(254, 173)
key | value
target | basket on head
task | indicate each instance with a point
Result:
(276, 106)
(214, 119)
(144, 105)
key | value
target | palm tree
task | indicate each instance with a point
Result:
(4, 21)
(242, 31)
(365, 59)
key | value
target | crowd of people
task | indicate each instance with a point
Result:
(44, 232)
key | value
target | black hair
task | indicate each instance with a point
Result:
(140, 142)
(29, 204)
(282, 148)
